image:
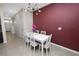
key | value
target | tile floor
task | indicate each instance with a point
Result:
(17, 47)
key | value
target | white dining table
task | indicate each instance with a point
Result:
(39, 37)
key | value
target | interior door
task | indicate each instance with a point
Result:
(1, 36)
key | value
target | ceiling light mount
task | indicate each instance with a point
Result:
(33, 7)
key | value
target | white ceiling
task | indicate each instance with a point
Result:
(11, 9)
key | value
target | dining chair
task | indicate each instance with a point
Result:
(32, 42)
(37, 31)
(27, 39)
(43, 32)
(47, 44)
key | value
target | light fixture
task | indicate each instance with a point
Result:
(36, 13)
(39, 10)
(33, 7)
(59, 28)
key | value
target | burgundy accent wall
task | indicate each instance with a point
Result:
(60, 15)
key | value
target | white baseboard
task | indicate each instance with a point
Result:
(76, 52)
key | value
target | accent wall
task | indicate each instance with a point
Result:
(62, 20)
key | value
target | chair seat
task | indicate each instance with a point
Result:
(47, 45)
(34, 44)
(27, 40)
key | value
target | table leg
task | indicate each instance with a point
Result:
(42, 49)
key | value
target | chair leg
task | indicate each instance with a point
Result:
(34, 50)
(26, 43)
(46, 51)
(50, 51)
(39, 48)
(31, 51)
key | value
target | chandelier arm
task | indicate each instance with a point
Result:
(33, 6)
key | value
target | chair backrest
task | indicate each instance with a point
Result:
(32, 40)
(27, 38)
(43, 32)
(49, 39)
(37, 31)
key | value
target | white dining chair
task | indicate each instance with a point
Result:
(47, 44)
(37, 31)
(32, 42)
(43, 32)
(26, 39)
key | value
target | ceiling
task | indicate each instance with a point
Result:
(11, 9)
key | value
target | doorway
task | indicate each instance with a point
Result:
(1, 35)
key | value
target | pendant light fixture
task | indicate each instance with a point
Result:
(33, 7)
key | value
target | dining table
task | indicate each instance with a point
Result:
(42, 38)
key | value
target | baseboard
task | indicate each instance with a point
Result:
(76, 52)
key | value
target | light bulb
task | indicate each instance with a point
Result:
(39, 10)
(59, 28)
(36, 13)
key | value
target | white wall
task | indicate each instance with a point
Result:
(23, 23)
(28, 21)
(8, 24)
(18, 24)
(12, 26)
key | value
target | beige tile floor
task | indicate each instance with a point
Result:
(17, 47)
